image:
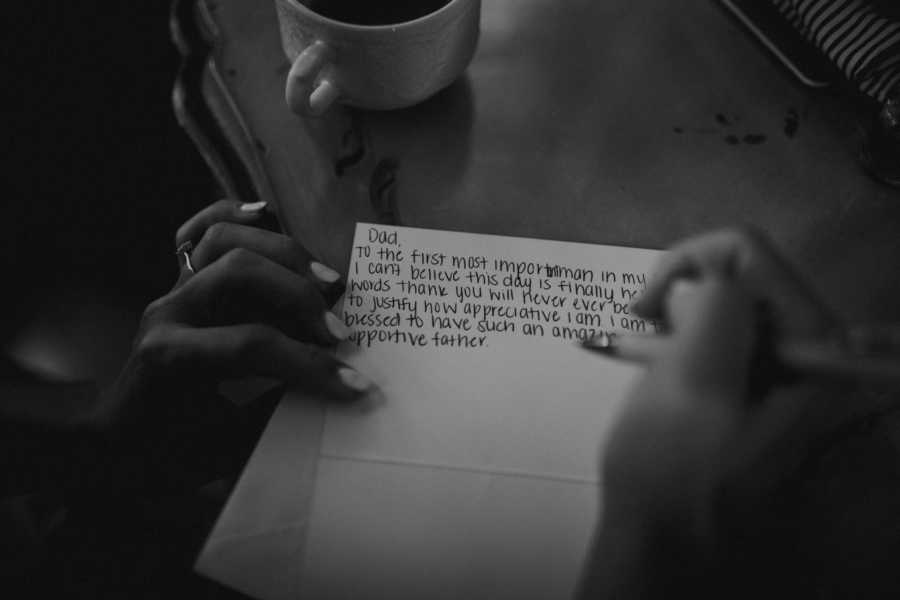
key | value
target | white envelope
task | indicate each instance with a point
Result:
(306, 521)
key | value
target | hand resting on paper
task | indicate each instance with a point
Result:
(694, 464)
(248, 302)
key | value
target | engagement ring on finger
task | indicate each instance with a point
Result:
(184, 250)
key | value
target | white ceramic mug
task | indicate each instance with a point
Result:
(374, 66)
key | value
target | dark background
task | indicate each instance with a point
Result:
(97, 177)
(98, 173)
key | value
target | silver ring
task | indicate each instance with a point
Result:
(184, 251)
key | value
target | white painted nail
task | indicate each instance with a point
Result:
(354, 379)
(323, 273)
(336, 326)
(253, 207)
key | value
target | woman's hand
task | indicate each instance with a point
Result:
(248, 302)
(694, 455)
(746, 257)
(720, 286)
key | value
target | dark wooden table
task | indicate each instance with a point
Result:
(633, 122)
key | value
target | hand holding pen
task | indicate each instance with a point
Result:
(801, 340)
(865, 354)
(698, 452)
(746, 258)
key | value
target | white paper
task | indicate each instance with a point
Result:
(476, 476)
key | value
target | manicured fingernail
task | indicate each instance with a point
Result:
(323, 273)
(354, 379)
(336, 326)
(253, 207)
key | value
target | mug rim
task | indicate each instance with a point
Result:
(296, 4)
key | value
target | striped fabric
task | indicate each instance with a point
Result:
(862, 39)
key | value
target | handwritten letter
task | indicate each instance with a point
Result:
(419, 289)
(477, 475)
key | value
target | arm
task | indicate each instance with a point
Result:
(698, 451)
(252, 303)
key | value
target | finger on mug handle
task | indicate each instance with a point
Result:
(252, 350)
(232, 211)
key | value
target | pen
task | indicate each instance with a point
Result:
(864, 352)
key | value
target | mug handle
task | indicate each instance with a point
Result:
(311, 86)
